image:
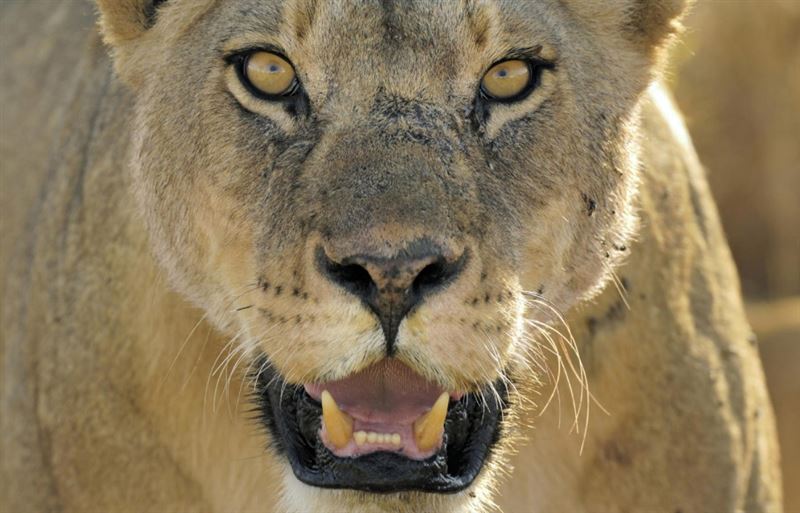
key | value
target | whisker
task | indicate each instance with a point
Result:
(214, 364)
(180, 349)
(196, 360)
(619, 286)
(577, 369)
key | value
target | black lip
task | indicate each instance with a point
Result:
(472, 428)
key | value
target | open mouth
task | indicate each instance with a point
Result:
(383, 429)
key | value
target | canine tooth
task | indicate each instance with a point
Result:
(361, 437)
(428, 428)
(338, 424)
(372, 437)
(396, 439)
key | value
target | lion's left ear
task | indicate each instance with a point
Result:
(648, 24)
(651, 23)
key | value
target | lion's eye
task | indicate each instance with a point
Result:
(269, 74)
(507, 80)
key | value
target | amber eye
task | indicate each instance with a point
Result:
(269, 74)
(506, 80)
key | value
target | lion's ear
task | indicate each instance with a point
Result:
(648, 24)
(123, 23)
(651, 23)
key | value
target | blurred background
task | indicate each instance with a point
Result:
(736, 77)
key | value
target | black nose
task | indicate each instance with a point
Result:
(391, 287)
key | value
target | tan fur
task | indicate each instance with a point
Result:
(137, 298)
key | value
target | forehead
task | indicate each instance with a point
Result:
(400, 41)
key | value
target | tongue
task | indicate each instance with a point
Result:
(388, 393)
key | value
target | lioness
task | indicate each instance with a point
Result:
(315, 255)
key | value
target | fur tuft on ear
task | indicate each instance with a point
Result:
(122, 21)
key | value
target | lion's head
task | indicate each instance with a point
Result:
(376, 199)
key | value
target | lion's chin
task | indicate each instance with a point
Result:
(393, 431)
(298, 497)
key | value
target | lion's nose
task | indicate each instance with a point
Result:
(392, 286)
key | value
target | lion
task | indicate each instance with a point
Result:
(321, 256)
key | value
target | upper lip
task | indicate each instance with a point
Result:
(471, 428)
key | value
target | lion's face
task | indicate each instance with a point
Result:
(384, 230)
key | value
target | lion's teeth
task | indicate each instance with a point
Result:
(338, 424)
(361, 437)
(364, 437)
(428, 428)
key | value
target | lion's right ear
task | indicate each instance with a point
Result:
(123, 25)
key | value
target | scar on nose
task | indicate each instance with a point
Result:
(591, 205)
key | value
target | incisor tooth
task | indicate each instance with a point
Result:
(372, 437)
(361, 437)
(396, 439)
(428, 428)
(338, 424)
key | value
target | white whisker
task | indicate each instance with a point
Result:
(563, 347)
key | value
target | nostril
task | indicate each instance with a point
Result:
(353, 277)
(393, 283)
(432, 275)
